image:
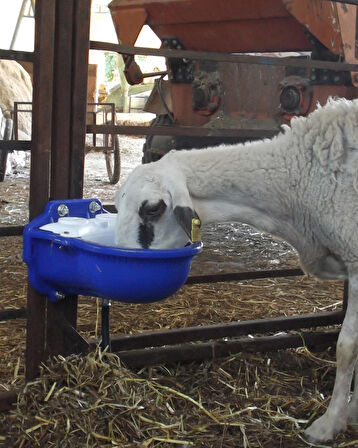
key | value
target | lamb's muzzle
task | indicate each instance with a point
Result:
(299, 186)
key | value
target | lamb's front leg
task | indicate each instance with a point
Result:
(335, 418)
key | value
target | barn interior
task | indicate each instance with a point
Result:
(244, 353)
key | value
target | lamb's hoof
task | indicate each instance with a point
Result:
(324, 429)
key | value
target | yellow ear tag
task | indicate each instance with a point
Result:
(195, 230)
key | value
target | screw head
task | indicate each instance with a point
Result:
(94, 207)
(60, 295)
(62, 210)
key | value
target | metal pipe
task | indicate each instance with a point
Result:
(27, 56)
(349, 2)
(13, 314)
(17, 26)
(106, 340)
(181, 130)
(15, 145)
(221, 349)
(11, 230)
(153, 74)
(222, 57)
(248, 275)
(220, 331)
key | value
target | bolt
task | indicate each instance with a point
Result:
(336, 79)
(59, 295)
(62, 210)
(94, 207)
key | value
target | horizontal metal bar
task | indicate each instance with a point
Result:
(154, 74)
(220, 349)
(180, 130)
(219, 331)
(13, 314)
(17, 55)
(15, 145)
(349, 2)
(214, 278)
(223, 57)
(11, 230)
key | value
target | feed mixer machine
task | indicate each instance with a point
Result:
(224, 95)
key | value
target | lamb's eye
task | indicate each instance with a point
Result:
(152, 212)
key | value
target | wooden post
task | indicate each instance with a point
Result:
(40, 166)
(58, 138)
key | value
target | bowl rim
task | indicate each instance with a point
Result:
(186, 251)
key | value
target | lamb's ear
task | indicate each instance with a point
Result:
(183, 207)
(185, 216)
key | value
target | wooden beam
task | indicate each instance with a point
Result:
(40, 167)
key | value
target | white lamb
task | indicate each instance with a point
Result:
(300, 186)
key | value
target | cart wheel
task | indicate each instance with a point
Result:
(113, 160)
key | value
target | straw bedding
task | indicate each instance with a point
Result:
(247, 400)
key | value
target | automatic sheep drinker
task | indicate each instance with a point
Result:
(69, 249)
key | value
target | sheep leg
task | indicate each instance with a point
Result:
(335, 418)
(353, 404)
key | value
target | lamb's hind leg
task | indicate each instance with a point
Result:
(335, 418)
(353, 405)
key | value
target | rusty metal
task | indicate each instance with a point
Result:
(154, 74)
(11, 231)
(228, 330)
(17, 110)
(181, 130)
(59, 88)
(222, 57)
(17, 55)
(219, 349)
(349, 2)
(13, 314)
(68, 140)
(12, 145)
(107, 114)
(3, 155)
(241, 26)
(80, 49)
(320, 18)
(130, 25)
(40, 167)
(62, 98)
(238, 276)
(333, 24)
(243, 97)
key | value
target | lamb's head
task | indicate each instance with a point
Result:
(155, 210)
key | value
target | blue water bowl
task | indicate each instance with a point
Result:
(69, 250)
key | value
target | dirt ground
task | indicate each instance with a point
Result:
(228, 247)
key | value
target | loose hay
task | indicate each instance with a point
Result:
(244, 401)
(254, 401)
